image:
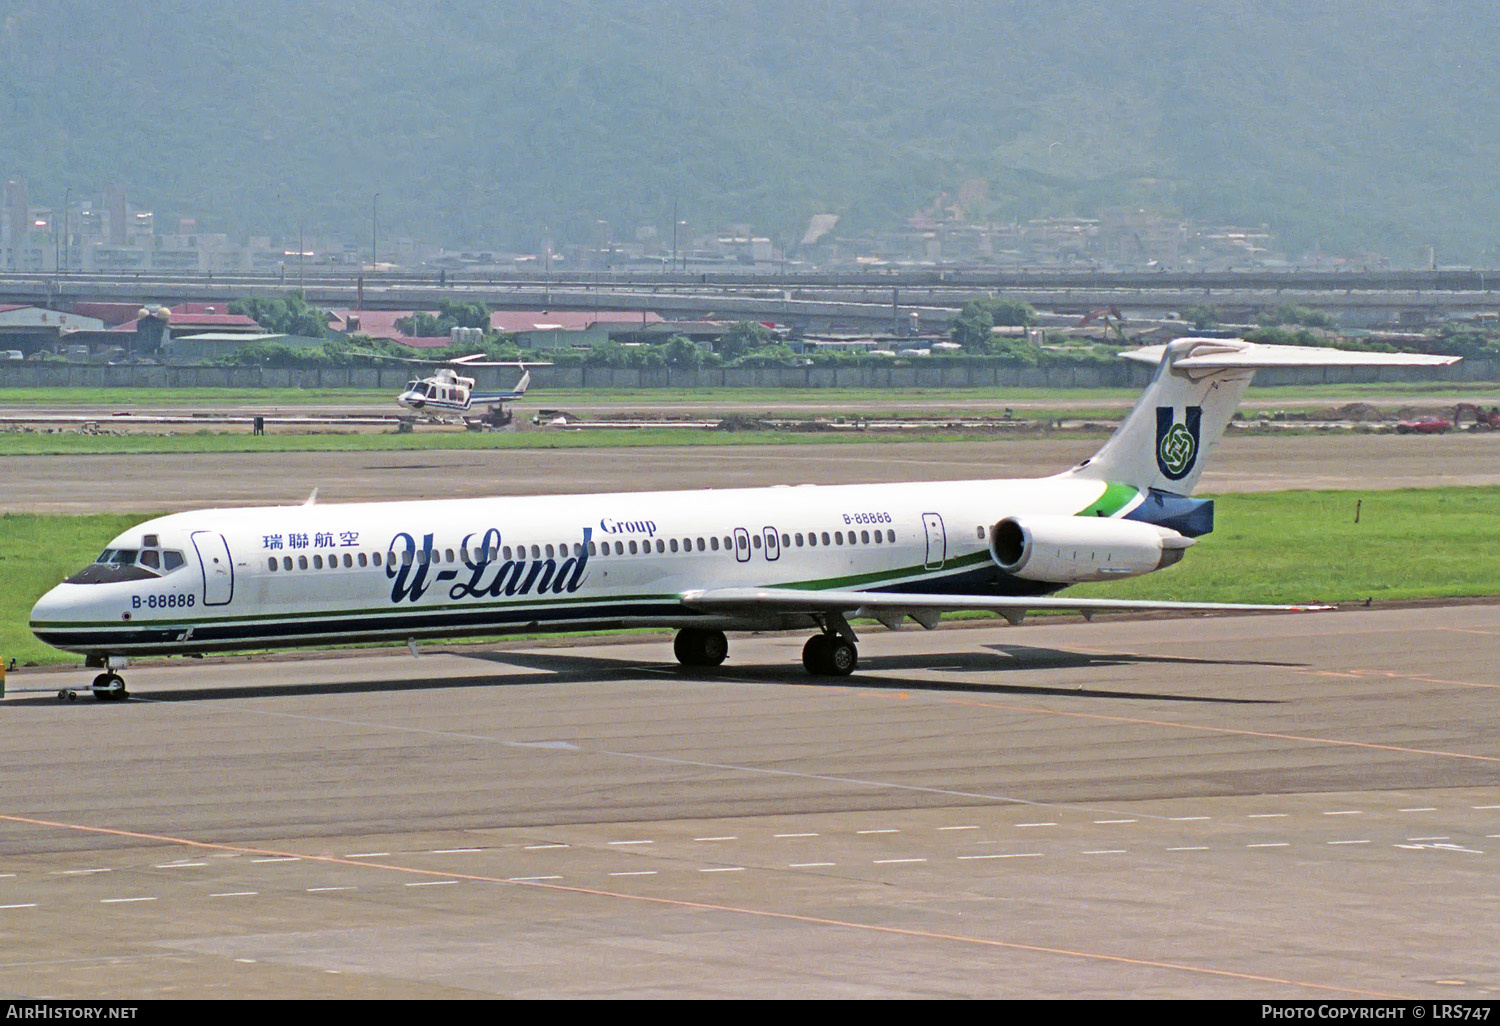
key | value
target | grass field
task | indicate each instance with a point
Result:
(560, 398)
(1273, 547)
(847, 403)
(601, 438)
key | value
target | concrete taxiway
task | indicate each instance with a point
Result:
(170, 482)
(1299, 807)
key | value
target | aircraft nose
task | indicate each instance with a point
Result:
(53, 608)
(46, 607)
(58, 604)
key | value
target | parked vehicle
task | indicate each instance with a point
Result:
(1424, 426)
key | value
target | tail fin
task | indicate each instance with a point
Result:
(1163, 442)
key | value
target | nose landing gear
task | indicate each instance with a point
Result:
(110, 687)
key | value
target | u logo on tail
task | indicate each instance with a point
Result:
(1177, 444)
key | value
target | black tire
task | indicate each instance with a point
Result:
(110, 687)
(815, 655)
(715, 648)
(842, 657)
(695, 646)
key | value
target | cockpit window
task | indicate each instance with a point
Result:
(114, 565)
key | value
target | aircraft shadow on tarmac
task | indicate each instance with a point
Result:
(1016, 658)
(557, 666)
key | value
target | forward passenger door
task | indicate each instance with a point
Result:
(218, 570)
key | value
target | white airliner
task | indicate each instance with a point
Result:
(702, 562)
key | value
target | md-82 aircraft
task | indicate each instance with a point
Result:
(702, 562)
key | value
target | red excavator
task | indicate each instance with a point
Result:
(1484, 420)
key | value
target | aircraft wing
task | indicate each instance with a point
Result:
(890, 607)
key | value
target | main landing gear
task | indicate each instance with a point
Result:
(695, 646)
(830, 654)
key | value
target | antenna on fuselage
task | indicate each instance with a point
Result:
(312, 499)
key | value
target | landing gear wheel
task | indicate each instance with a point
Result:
(110, 687)
(695, 646)
(67, 695)
(825, 655)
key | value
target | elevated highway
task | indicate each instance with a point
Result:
(817, 301)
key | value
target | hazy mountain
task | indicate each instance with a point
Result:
(1369, 123)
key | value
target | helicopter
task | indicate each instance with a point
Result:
(446, 392)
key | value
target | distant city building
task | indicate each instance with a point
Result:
(108, 233)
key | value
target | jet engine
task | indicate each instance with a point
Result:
(1071, 550)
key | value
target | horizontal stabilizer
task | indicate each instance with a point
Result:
(1237, 354)
(1164, 441)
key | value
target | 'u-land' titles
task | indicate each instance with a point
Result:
(412, 573)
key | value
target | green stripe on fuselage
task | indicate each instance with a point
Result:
(1117, 499)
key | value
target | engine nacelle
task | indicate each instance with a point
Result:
(1071, 550)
